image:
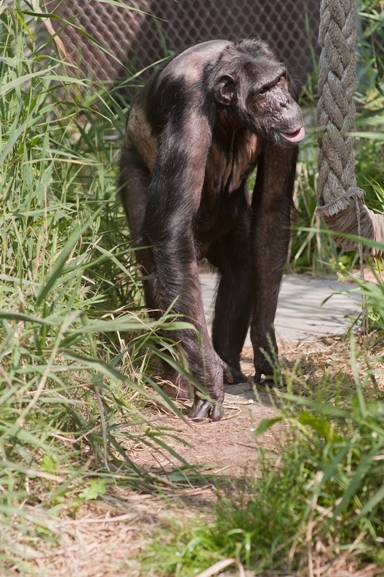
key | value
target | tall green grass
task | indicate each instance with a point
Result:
(75, 345)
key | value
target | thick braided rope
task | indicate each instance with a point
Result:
(336, 110)
(338, 192)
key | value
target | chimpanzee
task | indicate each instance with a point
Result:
(194, 134)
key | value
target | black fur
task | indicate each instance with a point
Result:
(193, 136)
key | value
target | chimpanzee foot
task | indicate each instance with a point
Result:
(227, 373)
(203, 409)
(237, 377)
(268, 381)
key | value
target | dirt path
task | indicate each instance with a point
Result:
(104, 537)
(228, 447)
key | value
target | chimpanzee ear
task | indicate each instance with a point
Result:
(225, 90)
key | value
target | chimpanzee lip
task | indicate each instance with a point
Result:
(296, 136)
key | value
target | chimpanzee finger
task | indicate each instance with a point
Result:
(203, 409)
(200, 409)
(216, 413)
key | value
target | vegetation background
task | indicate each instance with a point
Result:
(78, 353)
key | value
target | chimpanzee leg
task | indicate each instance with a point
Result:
(134, 182)
(271, 207)
(232, 256)
(135, 179)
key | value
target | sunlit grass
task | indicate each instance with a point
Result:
(75, 343)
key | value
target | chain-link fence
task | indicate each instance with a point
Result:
(149, 30)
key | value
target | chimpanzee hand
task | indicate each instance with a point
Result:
(217, 371)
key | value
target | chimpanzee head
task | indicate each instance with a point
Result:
(255, 90)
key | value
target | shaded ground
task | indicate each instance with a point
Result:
(230, 447)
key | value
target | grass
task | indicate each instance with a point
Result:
(77, 353)
(76, 347)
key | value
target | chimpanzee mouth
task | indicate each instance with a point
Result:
(296, 136)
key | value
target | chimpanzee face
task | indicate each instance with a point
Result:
(260, 96)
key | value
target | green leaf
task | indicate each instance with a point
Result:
(97, 487)
(355, 482)
(373, 501)
(48, 464)
(266, 424)
(319, 424)
(64, 255)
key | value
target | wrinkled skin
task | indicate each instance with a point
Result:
(193, 136)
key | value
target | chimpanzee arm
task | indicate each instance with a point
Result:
(271, 207)
(168, 229)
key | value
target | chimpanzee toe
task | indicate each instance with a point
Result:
(268, 380)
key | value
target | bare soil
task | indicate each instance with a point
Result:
(228, 447)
